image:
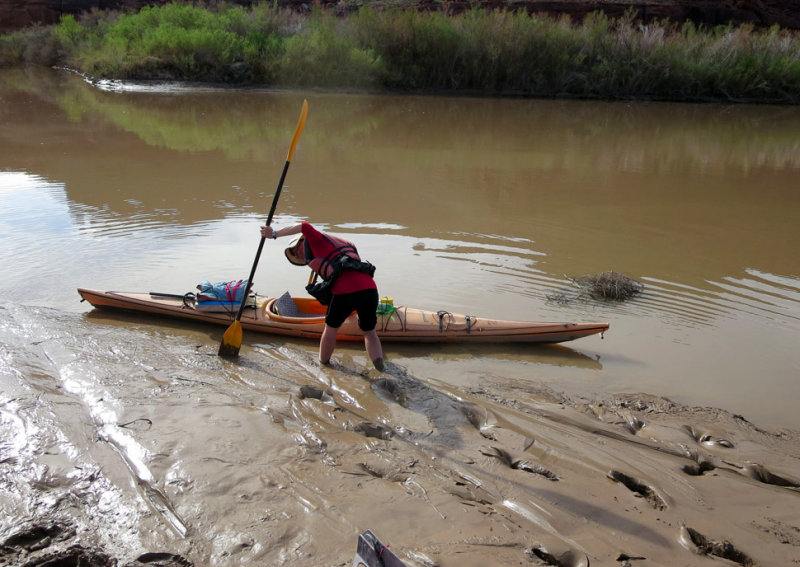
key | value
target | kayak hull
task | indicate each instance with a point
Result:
(404, 324)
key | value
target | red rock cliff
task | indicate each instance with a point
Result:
(16, 14)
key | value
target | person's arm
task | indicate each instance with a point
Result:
(269, 232)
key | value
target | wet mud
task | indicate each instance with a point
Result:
(137, 446)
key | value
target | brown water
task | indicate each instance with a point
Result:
(471, 205)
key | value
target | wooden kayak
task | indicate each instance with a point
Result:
(305, 317)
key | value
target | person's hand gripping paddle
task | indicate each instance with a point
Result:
(232, 339)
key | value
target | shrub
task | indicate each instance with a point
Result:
(488, 52)
(324, 54)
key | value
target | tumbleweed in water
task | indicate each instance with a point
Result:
(605, 285)
(608, 285)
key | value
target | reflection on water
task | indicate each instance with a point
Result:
(471, 205)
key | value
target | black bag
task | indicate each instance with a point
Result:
(348, 263)
(321, 291)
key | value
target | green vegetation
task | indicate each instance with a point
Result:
(478, 52)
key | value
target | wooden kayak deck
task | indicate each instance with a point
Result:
(307, 320)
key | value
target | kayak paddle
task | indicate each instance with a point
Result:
(232, 339)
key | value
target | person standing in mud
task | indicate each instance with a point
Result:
(352, 286)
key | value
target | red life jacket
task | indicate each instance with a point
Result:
(324, 265)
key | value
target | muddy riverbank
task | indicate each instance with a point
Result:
(116, 454)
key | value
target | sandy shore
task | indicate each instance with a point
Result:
(169, 457)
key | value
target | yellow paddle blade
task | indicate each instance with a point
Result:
(231, 340)
(299, 130)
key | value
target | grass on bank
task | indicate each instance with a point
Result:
(479, 52)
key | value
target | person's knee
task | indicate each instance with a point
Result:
(367, 323)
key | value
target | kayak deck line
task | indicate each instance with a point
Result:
(305, 317)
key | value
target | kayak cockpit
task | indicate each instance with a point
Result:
(288, 309)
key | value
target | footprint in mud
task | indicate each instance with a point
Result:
(518, 464)
(699, 544)
(707, 438)
(639, 488)
(392, 390)
(315, 393)
(762, 474)
(404, 392)
(441, 410)
(374, 430)
(699, 469)
(569, 558)
(701, 465)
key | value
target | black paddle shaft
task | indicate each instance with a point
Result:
(261, 244)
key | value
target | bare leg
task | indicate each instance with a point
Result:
(327, 344)
(374, 349)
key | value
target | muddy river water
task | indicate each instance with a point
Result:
(126, 439)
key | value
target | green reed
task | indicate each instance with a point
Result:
(512, 53)
(479, 52)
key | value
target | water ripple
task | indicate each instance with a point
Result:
(770, 297)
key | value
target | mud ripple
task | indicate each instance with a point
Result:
(479, 419)
(647, 492)
(633, 424)
(697, 543)
(518, 464)
(141, 424)
(707, 438)
(472, 495)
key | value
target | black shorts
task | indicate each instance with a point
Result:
(363, 302)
